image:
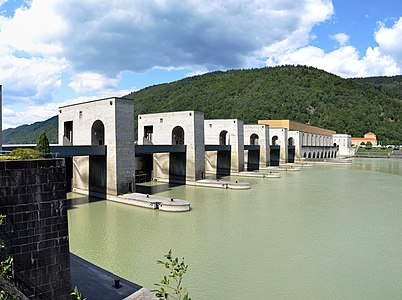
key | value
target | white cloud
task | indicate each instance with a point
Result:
(341, 38)
(33, 113)
(343, 61)
(89, 82)
(389, 41)
(108, 37)
(30, 78)
(377, 63)
(37, 112)
(95, 41)
(346, 61)
(35, 30)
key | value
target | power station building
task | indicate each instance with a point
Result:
(297, 140)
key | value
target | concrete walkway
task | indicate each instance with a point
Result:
(257, 174)
(95, 283)
(222, 184)
(152, 201)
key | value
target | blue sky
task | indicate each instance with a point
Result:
(58, 52)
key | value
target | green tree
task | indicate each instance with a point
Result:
(170, 286)
(368, 146)
(42, 144)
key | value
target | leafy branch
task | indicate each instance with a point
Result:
(76, 293)
(170, 286)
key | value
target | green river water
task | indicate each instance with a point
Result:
(327, 232)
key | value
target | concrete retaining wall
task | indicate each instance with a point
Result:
(32, 195)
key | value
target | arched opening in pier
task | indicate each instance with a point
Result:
(291, 150)
(254, 139)
(253, 156)
(313, 154)
(309, 155)
(223, 138)
(274, 140)
(178, 136)
(97, 133)
(177, 161)
(97, 164)
(305, 155)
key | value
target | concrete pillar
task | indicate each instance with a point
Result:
(162, 126)
(262, 131)
(107, 122)
(297, 141)
(235, 138)
(282, 141)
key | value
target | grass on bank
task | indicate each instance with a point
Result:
(375, 150)
(21, 154)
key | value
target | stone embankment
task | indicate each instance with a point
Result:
(394, 154)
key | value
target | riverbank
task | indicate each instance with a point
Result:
(393, 154)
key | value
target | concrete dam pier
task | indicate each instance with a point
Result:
(177, 148)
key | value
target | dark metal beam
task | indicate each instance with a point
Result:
(217, 147)
(251, 147)
(67, 151)
(150, 149)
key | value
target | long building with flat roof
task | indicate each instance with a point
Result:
(297, 140)
(295, 126)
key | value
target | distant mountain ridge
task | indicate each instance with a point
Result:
(391, 86)
(303, 94)
(28, 134)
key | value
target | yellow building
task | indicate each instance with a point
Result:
(295, 126)
(368, 137)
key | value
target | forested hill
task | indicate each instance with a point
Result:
(29, 134)
(303, 94)
(391, 86)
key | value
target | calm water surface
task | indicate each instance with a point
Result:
(327, 232)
